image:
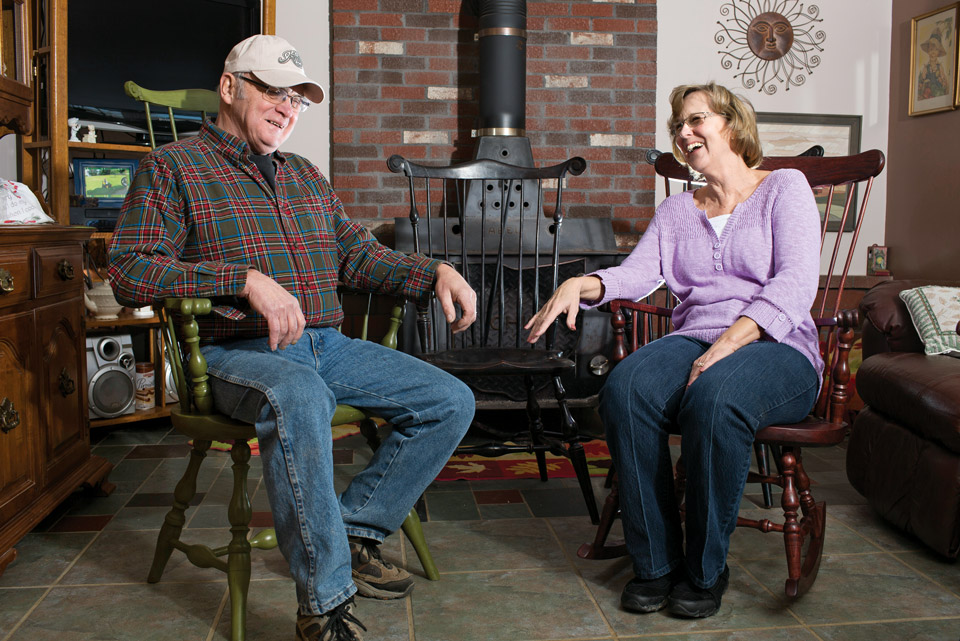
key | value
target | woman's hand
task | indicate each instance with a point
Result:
(745, 330)
(718, 351)
(565, 300)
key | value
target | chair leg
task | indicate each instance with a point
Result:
(414, 531)
(763, 466)
(599, 549)
(238, 561)
(368, 427)
(175, 519)
(536, 427)
(611, 474)
(411, 525)
(575, 451)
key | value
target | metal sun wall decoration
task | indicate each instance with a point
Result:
(770, 42)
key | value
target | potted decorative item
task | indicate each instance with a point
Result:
(101, 302)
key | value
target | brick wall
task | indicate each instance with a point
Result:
(405, 77)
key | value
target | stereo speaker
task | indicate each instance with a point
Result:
(111, 369)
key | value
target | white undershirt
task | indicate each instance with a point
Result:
(719, 222)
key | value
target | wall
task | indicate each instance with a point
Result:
(853, 78)
(923, 192)
(306, 24)
(405, 79)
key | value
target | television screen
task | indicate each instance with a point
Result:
(175, 44)
(105, 180)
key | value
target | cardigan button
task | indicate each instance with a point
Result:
(716, 255)
(782, 317)
(718, 267)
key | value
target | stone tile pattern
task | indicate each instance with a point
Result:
(405, 81)
(507, 555)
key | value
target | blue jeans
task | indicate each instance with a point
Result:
(291, 396)
(645, 398)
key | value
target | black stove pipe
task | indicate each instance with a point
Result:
(502, 37)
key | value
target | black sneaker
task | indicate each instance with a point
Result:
(338, 624)
(649, 595)
(689, 601)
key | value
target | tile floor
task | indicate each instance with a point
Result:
(506, 552)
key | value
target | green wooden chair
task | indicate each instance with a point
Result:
(202, 101)
(196, 417)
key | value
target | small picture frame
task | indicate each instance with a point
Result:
(933, 81)
(877, 264)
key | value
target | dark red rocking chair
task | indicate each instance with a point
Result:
(636, 324)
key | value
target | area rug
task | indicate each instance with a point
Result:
(523, 465)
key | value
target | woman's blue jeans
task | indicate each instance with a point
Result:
(291, 396)
(645, 399)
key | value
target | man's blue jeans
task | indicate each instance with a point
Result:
(291, 396)
(646, 398)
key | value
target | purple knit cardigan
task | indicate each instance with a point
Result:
(765, 264)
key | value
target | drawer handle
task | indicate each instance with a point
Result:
(9, 417)
(66, 384)
(6, 281)
(65, 269)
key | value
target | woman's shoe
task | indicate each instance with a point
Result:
(649, 595)
(689, 601)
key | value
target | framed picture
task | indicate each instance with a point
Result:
(105, 180)
(786, 134)
(933, 61)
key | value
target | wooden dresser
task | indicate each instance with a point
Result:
(44, 432)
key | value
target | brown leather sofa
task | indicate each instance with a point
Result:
(904, 448)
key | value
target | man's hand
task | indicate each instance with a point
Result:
(450, 288)
(277, 305)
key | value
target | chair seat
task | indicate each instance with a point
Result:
(499, 360)
(211, 427)
(811, 432)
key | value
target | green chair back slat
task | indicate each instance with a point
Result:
(203, 101)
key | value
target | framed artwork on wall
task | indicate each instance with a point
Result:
(787, 134)
(933, 61)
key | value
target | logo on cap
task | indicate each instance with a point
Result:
(291, 55)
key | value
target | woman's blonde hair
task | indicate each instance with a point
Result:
(741, 120)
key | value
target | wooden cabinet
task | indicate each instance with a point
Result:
(44, 433)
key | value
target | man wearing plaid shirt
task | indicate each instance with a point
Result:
(225, 215)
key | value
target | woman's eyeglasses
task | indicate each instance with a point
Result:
(693, 120)
(276, 95)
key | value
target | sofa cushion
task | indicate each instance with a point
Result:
(921, 392)
(935, 311)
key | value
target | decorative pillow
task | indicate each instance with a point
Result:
(935, 311)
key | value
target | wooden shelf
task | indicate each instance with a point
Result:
(108, 146)
(125, 319)
(139, 415)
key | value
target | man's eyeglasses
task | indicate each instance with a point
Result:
(693, 120)
(277, 96)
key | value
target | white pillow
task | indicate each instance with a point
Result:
(935, 311)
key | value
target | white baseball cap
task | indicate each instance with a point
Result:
(274, 61)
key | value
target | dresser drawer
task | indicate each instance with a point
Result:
(58, 269)
(15, 283)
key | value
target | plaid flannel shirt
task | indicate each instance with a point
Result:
(199, 214)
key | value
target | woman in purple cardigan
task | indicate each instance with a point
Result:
(742, 256)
